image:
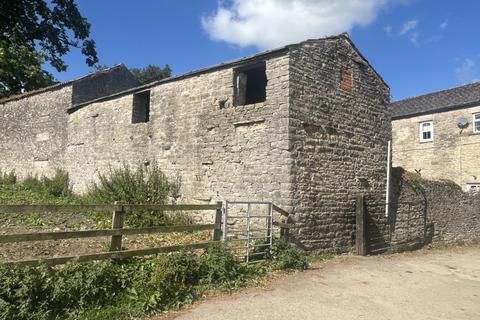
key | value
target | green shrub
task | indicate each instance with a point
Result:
(46, 293)
(72, 291)
(8, 178)
(173, 280)
(287, 256)
(118, 289)
(22, 292)
(136, 186)
(220, 269)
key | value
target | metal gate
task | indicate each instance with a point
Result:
(248, 227)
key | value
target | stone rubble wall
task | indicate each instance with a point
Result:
(428, 210)
(422, 211)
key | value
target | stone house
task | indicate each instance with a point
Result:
(437, 135)
(305, 126)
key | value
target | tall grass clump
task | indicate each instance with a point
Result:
(36, 189)
(138, 185)
(8, 178)
(56, 186)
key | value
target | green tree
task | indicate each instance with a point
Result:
(151, 73)
(33, 32)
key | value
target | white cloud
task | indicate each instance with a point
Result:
(408, 26)
(272, 23)
(467, 71)
(388, 30)
(444, 24)
(414, 38)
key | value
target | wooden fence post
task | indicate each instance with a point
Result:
(217, 232)
(117, 223)
(361, 226)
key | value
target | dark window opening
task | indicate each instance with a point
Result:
(250, 84)
(141, 107)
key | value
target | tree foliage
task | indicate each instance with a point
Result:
(151, 73)
(33, 32)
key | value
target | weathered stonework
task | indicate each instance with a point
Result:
(338, 140)
(33, 126)
(421, 212)
(453, 154)
(437, 211)
(315, 141)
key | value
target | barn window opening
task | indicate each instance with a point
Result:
(250, 84)
(141, 107)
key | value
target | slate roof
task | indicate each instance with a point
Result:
(444, 100)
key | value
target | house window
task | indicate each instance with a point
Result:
(473, 187)
(426, 131)
(141, 107)
(476, 122)
(250, 84)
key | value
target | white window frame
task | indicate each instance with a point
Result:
(421, 131)
(476, 119)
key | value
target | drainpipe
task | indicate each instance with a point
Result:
(389, 164)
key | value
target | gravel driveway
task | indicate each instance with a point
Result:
(429, 284)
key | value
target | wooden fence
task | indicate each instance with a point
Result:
(116, 232)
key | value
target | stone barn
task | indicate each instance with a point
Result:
(305, 126)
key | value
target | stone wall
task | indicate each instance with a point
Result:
(33, 126)
(424, 211)
(219, 150)
(453, 153)
(447, 213)
(339, 131)
(33, 132)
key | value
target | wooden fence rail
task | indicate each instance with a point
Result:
(116, 232)
(69, 208)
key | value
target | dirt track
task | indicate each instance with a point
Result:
(436, 284)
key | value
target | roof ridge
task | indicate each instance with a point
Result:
(434, 92)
